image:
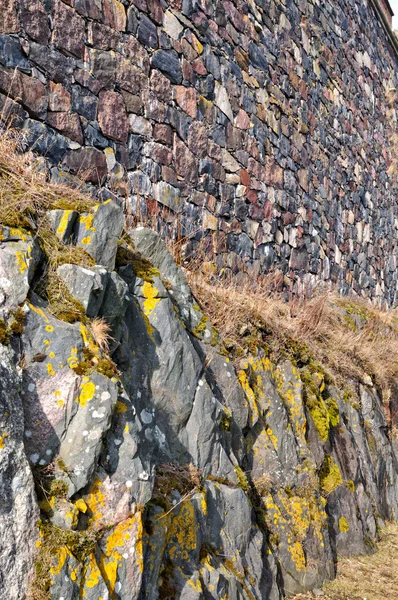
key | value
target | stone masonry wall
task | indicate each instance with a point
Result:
(260, 129)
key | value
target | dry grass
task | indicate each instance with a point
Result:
(372, 577)
(349, 337)
(100, 330)
(25, 194)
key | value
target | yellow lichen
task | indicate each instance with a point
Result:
(150, 293)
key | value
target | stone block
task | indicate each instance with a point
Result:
(69, 30)
(34, 20)
(112, 116)
(88, 163)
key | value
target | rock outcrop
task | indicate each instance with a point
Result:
(265, 125)
(160, 470)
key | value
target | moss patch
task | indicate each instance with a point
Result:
(330, 476)
(343, 525)
(128, 255)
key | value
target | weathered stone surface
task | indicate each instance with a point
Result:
(115, 14)
(28, 90)
(167, 62)
(112, 116)
(9, 22)
(34, 20)
(186, 98)
(19, 257)
(19, 511)
(68, 124)
(59, 98)
(88, 163)
(89, 8)
(86, 285)
(98, 233)
(11, 54)
(45, 141)
(63, 222)
(69, 30)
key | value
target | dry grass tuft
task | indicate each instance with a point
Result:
(100, 330)
(349, 337)
(373, 577)
(25, 193)
(169, 477)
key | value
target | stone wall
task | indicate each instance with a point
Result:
(260, 129)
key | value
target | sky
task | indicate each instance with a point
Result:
(394, 6)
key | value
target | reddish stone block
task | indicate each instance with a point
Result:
(244, 177)
(156, 11)
(160, 85)
(137, 54)
(68, 124)
(69, 30)
(242, 120)
(101, 36)
(88, 163)
(34, 20)
(112, 116)
(184, 161)
(115, 15)
(59, 98)
(89, 8)
(133, 103)
(267, 210)
(8, 17)
(187, 71)
(169, 175)
(303, 179)
(199, 67)
(289, 218)
(162, 133)
(29, 91)
(273, 173)
(251, 195)
(129, 77)
(159, 153)
(186, 99)
(198, 139)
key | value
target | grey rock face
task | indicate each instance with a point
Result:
(18, 507)
(99, 233)
(86, 285)
(171, 472)
(19, 256)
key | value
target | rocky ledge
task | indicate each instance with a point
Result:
(136, 462)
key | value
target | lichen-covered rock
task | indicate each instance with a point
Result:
(18, 507)
(161, 470)
(99, 232)
(86, 285)
(19, 256)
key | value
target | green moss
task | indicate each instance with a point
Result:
(343, 525)
(323, 409)
(350, 485)
(61, 302)
(4, 336)
(349, 322)
(352, 308)
(107, 367)
(226, 419)
(61, 465)
(58, 488)
(330, 476)
(128, 255)
(200, 328)
(18, 320)
(242, 479)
